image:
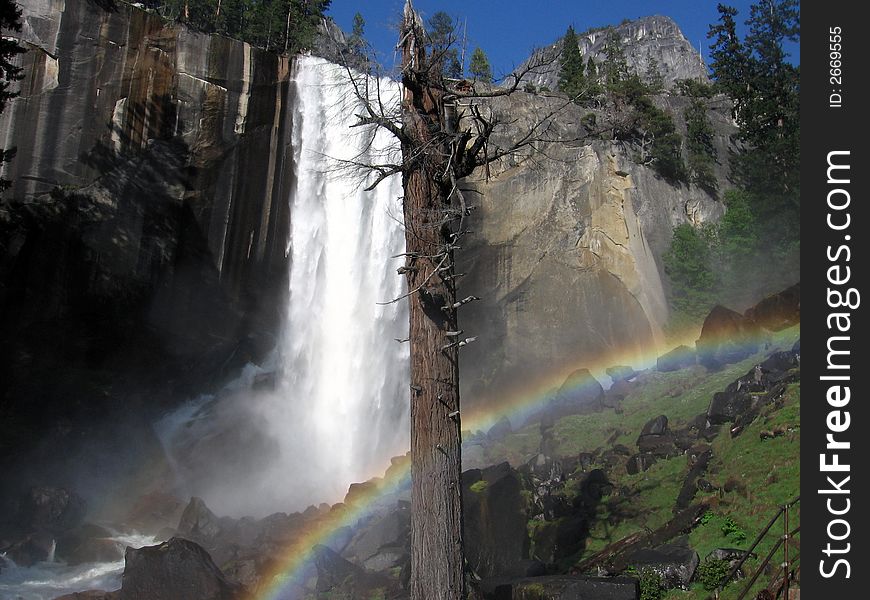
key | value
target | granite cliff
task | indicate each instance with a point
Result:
(566, 257)
(143, 242)
(653, 43)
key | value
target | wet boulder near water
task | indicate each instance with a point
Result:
(172, 570)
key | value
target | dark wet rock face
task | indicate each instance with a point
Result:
(778, 311)
(384, 543)
(34, 521)
(741, 402)
(175, 569)
(726, 337)
(53, 510)
(494, 520)
(142, 241)
(639, 463)
(675, 564)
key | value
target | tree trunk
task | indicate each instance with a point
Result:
(437, 558)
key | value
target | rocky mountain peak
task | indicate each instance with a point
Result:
(654, 39)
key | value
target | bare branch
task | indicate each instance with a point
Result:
(460, 303)
(419, 287)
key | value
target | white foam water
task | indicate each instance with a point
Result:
(50, 579)
(337, 408)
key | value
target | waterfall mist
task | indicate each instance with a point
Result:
(331, 406)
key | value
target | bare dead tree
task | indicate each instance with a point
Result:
(447, 129)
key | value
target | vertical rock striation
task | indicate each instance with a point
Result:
(143, 243)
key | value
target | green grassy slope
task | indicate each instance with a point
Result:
(754, 475)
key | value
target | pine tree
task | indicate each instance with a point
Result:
(615, 69)
(653, 76)
(700, 151)
(356, 40)
(302, 20)
(764, 88)
(591, 77)
(770, 118)
(571, 77)
(479, 66)
(728, 60)
(688, 264)
(441, 31)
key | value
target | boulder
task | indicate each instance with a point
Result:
(761, 385)
(639, 463)
(656, 426)
(495, 520)
(662, 446)
(563, 587)
(338, 579)
(585, 460)
(732, 556)
(53, 510)
(709, 433)
(175, 569)
(32, 548)
(579, 394)
(727, 406)
(88, 544)
(617, 393)
(681, 357)
(778, 311)
(335, 574)
(620, 373)
(622, 449)
(684, 439)
(592, 487)
(729, 554)
(690, 483)
(555, 540)
(198, 522)
(726, 337)
(778, 364)
(674, 563)
(383, 542)
(154, 511)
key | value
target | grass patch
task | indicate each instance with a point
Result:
(479, 487)
(760, 474)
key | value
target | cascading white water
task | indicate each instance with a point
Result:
(339, 408)
(50, 579)
(345, 370)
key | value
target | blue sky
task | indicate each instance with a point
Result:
(508, 30)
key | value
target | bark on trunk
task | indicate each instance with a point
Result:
(437, 559)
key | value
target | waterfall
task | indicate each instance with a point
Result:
(341, 359)
(335, 407)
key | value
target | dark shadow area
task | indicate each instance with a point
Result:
(113, 310)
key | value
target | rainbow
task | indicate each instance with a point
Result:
(295, 565)
(290, 571)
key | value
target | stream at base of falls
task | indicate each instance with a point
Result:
(48, 580)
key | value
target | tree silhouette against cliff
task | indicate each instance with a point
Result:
(446, 130)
